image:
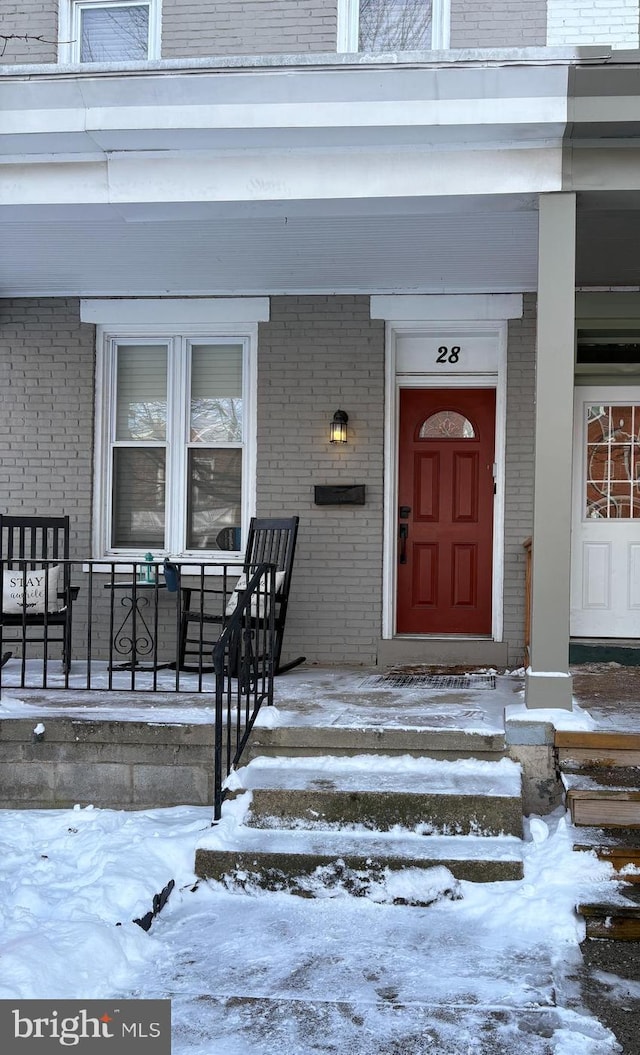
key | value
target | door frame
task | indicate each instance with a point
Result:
(486, 372)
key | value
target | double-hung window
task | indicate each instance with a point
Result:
(110, 31)
(393, 25)
(175, 440)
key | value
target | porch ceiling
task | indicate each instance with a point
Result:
(308, 180)
(456, 245)
(410, 245)
(267, 180)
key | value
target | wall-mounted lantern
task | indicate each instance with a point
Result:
(338, 428)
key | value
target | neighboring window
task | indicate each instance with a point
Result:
(612, 462)
(175, 435)
(393, 25)
(118, 31)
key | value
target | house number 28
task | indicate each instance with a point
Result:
(448, 355)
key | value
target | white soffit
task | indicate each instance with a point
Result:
(481, 308)
(202, 311)
(464, 250)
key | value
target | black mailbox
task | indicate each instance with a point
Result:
(339, 495)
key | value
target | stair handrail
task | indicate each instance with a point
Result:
(243, 663)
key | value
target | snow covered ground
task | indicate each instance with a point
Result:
(487, 969)
(490, 971)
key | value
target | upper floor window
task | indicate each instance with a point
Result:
(110, 31)
(393, 25)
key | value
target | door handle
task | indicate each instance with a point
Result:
(403, 535)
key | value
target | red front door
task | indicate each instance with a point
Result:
(445, 510)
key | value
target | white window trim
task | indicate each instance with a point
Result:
(349, 14)
(174, 312)
(106, 339)
(69, 21)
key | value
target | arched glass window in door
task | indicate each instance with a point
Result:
(447, 425)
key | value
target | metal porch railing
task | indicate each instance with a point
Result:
(243, 661)
(117, 626)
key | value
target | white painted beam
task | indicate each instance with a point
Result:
(274, 177)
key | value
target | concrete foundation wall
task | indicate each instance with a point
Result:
(116, 765)
(137, 765)
(531, 744)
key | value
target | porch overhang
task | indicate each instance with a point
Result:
(316, 176)
(296, 178)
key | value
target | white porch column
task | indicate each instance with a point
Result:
(548, 682)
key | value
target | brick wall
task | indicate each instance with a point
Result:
(593, 22)
(192, 28)
(498, 23)
(46, 426)
(317, 355)
(519, 471)
(247, 27)
(37, 18)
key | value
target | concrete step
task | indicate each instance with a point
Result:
(290, 860)
(447, 651)
(383, 792)
(617, 919)
(336, 740)
(603, 798)
(294, 823)
(575, 749)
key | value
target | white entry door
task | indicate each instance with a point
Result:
(605, 562)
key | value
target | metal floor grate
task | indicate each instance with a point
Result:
(403, 680)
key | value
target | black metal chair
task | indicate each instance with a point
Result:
(37, 592)
(205, 610)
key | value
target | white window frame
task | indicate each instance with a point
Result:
(69, 41)
(178, 340)
(349, 17)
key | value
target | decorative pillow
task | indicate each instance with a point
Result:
(26, 591)
(257, 603)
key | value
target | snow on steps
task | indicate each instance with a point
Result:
(296, 822)
(463, 798)
(335, 740)
(602, 780)
(619, 846)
